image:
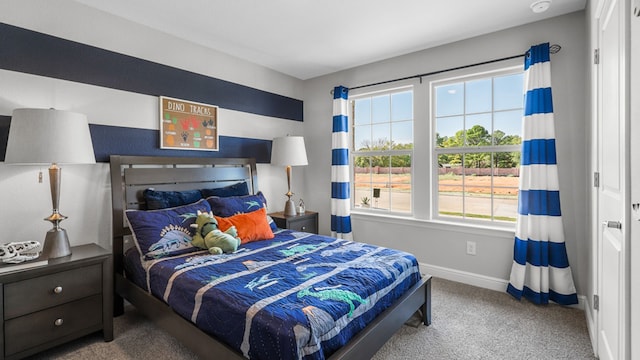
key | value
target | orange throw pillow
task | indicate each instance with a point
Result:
(251, 226)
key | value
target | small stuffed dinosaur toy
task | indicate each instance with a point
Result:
(208, 236)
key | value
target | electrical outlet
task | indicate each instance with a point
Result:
(471, 247)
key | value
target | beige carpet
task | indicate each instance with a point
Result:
(468, 323)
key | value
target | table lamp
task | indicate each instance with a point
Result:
(289, 151)
(52, 137)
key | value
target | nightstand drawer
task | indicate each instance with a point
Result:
(306, 225)
(307, 222)
(43, 326)
(23, 297)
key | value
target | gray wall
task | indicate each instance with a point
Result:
(441, 247)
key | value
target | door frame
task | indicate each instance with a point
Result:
(625, 109)
(634, 234)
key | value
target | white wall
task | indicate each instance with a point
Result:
(442, 247)
(85, 192)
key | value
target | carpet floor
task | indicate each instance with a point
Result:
(468, 323)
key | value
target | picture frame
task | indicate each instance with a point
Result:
(188, 125)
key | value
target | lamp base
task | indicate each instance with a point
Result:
(56, 244)
(289, 208)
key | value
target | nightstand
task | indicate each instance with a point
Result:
(58, 302)
(307, 222)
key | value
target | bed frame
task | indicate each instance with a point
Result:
(130, 175)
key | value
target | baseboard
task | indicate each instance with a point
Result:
(464, 277)
(486, 282)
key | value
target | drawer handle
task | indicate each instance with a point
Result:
(57, 289)
(304, 228)
(59, 322)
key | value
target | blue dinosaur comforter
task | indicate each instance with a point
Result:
(297, 296)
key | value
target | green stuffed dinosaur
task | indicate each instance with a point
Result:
(208, 236)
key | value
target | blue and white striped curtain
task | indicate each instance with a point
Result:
(340, 193)
(540, 270)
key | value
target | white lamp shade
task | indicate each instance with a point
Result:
(47, 136)
(288, 150)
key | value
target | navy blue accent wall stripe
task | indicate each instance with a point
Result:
(117, 140)
(36, 53)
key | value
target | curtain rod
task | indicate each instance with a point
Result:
(553, 49)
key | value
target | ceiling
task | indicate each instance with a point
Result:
(310, 38)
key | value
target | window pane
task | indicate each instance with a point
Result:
(380, 182)
(477, 203)
(478, 96)
(362, 168)
(506, 177)
(400, 200)
(361, 180)
(402, 134)
(379, 197)
(478, 130)
(400, 183)
(380, 136)
(477, 161)
(362, 195)
(507, 164)
(505, 203)
(508, 92)
(450, 100)
(402, 106)
(477, 186)
(450, 185)
(362, 112)
(380, 108)
(446, 129)
(508, 125)
(362, 138)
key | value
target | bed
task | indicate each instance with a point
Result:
(289, 296)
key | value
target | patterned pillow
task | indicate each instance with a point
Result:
(166, 199)
(166, 232)
(228, 206)
(251, 226)
(238, 189)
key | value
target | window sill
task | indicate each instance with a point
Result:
(434, 224)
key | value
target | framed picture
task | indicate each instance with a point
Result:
(188, 125)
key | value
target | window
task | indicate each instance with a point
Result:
(476, 147)
(445, 149)
(382, 151)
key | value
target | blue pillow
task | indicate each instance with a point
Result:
(238, 189)
(229, 206)
(166, 199)
(165, 232)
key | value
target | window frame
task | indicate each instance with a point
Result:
(353, 153)
(436, 151)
